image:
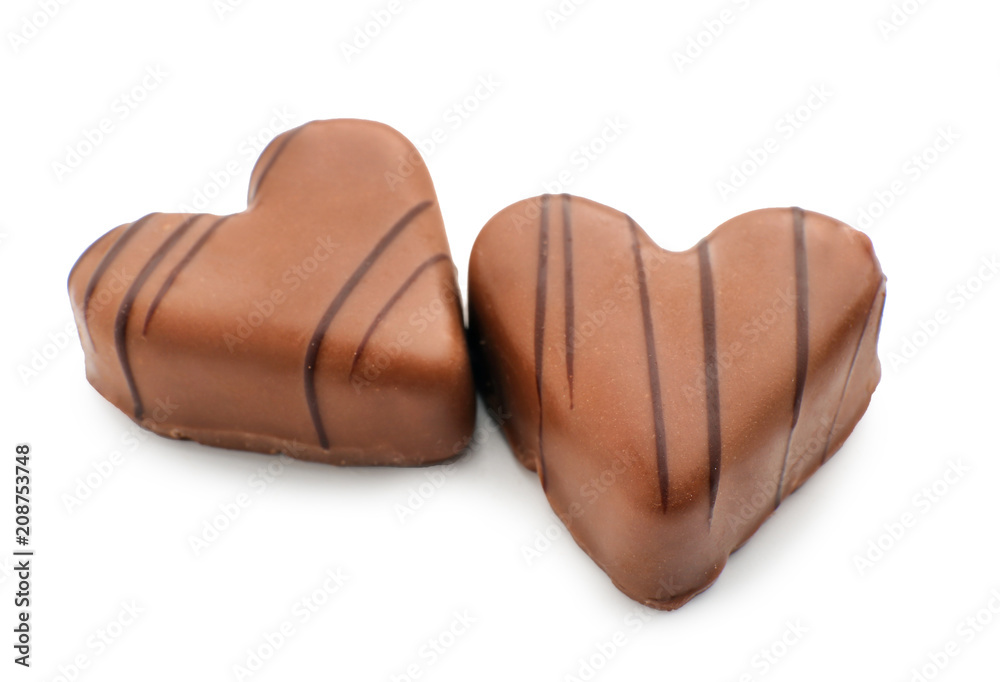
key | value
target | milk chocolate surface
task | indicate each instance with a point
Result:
(670, 401)
(324, 321)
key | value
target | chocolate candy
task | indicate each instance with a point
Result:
(671, 401)
(324, 321)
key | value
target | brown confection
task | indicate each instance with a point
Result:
(324, 321)
(657, 392)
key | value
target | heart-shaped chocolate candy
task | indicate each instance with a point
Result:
(324, 321)
(670, 401)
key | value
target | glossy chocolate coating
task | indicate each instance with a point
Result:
(324, 321)
(670, 401)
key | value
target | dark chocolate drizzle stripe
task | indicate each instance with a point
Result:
(541, 292)
(391, 302)
(568, 285)
(850, 373)
(125, 309)
(711, 376)
(654, 370)
(183, 263)
(801, 336)
(274, 157)
(106, 261)
(312, 352)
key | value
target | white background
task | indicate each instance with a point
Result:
(890, 93)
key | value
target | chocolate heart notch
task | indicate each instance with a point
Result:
(670, 401)
(324, 321)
